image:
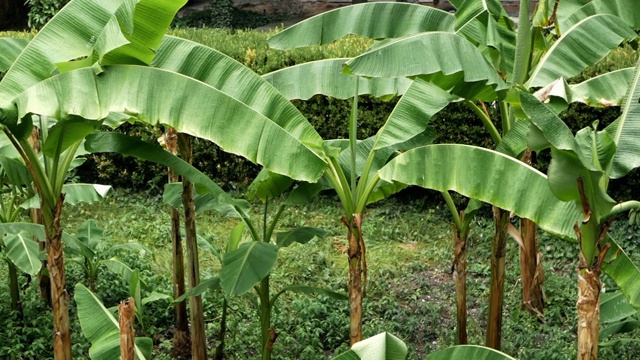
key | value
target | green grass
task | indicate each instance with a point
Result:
(410, 291)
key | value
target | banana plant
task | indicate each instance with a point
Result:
(571, 202)
(476, 47)
(247, 265)
(354, 163)
(101, 328)
(92, 251)
(86, 55)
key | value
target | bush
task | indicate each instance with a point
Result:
(41, 11)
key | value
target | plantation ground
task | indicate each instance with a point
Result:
(410, 292)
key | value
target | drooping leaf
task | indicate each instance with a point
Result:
(614, 307)
(576, 49)
(392, 20)
(572, 11)
(618, 328)
(325, 77)
(125, 272)
(24, 252)
(446, 59)
(626, 131)
(268, 185)
(303, 192)
(224, 73)
(130, 146)
(67, 132)
(204, 200)
(74, 194)
(36, 230)
(301, 235)
(151, 96)
(619, 266)
(412, 113)
(604, 90)
(469, 352)
(101, 328)
(383, 346)
(11, 48)
(479, 174)
(246, 266)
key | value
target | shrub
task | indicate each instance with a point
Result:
(41, 11)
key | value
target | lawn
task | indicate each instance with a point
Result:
(410, 291)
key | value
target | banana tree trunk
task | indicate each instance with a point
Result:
(588, 313)
(14, 289)
(198, 341)
(357, 268)
(223, 331)
(59, 295)
(44, 282)
(496, 295)
(268, 334)
(126, 318)
(181, 335)
(460, 278)
(531, 271)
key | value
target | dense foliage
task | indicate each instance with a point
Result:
(327, 115)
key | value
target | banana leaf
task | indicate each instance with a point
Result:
(154, 96)
(469, 352)
(488, 176)
(24, 252)
(11, 48)
(571, 12)
(224, 73)
(576, 49)
(373, 20)
(448, 60)
(325, 77)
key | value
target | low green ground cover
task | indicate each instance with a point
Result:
(410, 291)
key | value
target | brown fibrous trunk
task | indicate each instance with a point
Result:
(126, 318)
(59, 295)
(198, 341)
(496, 295)
(531, 271)
(459, 269)
(181, 334)
(588, 313)
(357, 276)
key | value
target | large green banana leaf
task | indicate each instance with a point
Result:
(412, 113)
(373, 20)
(447, 59)
(576, 49)
(626, 131)
(224, 73)
(604, 90)
(325, 77)
(474, 352)
(245, 266)
(71, 34)
(619, 266)
(131, 146)
(102, 329)
(158, 96)
(24, 252)
(571, 12)
(488, 176)
(74, 194)
(10, 48)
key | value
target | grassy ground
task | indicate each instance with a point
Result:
(410, 291)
